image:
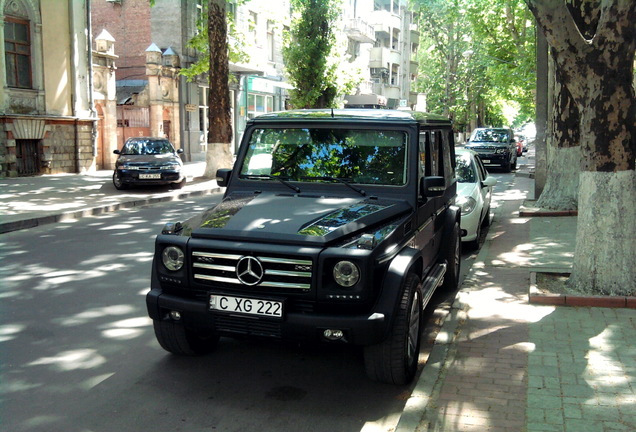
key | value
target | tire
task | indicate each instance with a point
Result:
(514, 165)
(178, 340)
(507, 167)
(474, 244)
(394, 360)
(453, 257)
(118, 183)
(487, 219)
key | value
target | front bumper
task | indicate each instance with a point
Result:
(132, 177)
(366, 329)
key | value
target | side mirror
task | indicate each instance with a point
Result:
(433, 186)
(489, 181)
(180, 151)
(223, 176)
(116, 151)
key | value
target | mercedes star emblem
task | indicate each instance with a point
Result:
(249, 270)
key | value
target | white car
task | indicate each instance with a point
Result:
(474, 193)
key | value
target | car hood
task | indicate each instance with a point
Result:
(467, 189)
(294, 219)
(145, 160)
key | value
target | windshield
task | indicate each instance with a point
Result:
(465, 170)
(147, 147)
(324, 154)
(490, 135)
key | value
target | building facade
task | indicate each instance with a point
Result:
(383, 43)
(47, 119)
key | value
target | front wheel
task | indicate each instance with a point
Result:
(118, 183)
(394, 360)
(453, 256)
(178, 340)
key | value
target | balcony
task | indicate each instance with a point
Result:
(360, 31)
(384, 21)
(381, 57)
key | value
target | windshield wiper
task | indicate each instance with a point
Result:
(336, 179)
(271, 177)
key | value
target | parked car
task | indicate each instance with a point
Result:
(495, 147)
(474, 193)
(337, 226)
(148, 161)
(519, 142)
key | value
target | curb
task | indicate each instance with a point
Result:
(432, 376)
(93, 211)
(535, 296)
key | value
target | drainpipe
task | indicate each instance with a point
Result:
(91, 100)
(73, 64)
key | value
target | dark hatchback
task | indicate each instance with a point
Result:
(148, 161)
(495, 147)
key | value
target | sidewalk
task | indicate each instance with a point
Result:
(502, 364)
(27, 202)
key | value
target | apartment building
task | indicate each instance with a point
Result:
(383, 43)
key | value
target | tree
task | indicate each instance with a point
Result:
(476, 61)
(563, 139)
(219, 154)
(307, 51)
(598, 73)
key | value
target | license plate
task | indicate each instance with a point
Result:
(149, 176)
(485, 161)
(246, 306)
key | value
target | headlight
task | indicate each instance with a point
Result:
(172, 258)
(346, 273)
(174, 167)
(501, 151)
(467, 204)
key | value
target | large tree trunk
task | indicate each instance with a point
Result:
(219, 154)
(564, 153)
(599, 74)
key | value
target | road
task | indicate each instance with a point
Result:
(78, 353)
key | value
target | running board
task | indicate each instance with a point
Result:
(432, 281)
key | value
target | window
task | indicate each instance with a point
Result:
(17, 45)
(270, 41)
(253, 26)
(259, 104)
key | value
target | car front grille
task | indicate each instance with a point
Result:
(258, 272)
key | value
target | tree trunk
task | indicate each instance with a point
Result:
(219, 154)
(564, 153)
(599, 74)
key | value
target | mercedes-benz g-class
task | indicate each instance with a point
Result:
(336, 226)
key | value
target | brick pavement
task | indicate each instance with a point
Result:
(503, 364)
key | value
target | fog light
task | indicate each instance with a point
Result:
(175, 315)
(333, 334)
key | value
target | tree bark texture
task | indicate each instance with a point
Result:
(562, 182)
(598, 73)
(218, 154)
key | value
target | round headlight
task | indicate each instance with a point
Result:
(467, 204)
(172, 258)
(346, 274)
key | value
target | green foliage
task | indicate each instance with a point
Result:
(200, 43)
(308, 52)
(477, 61)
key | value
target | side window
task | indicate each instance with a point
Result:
(424, 139)
(435, 166)
(447, 156)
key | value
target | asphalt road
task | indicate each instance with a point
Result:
(78, 354)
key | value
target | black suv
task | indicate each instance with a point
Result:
(495, 147)
(336, 226)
